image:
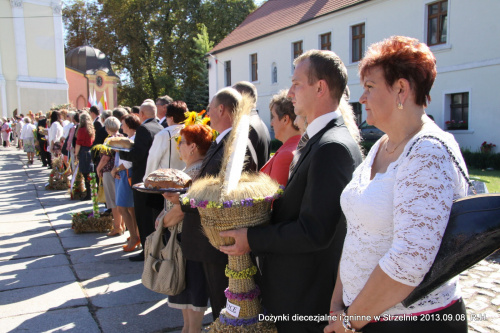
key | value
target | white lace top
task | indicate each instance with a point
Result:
(397, 219)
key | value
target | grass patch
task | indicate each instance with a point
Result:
(491, 178)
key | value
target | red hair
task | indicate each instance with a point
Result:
(199, 134)
(403, 58)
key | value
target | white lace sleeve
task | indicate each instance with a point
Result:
(423, 195)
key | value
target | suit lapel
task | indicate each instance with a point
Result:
(335, 122)
(211, 153)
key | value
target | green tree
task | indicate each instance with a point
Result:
(157, 47)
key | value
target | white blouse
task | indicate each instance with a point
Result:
(55, 134)
(397, 220)
(27, 132)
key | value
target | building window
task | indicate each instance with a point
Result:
(356, 108)
(274, 73)
(358, 42)
(253, 62)
(459, 111)
(437, 17)
(325, 41)
(297, 49)
(227, 71)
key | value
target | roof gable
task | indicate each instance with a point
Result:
(277, 15)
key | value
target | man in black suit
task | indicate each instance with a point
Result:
(259, 133)
(300, 249)
(195, 245)
(161, 107)
(138, 155)
(94, 114)
(44, 154)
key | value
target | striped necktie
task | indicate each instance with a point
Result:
(298, 152)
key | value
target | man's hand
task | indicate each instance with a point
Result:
(240, 246)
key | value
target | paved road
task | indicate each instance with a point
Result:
(54, 280)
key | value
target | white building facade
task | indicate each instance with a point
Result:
(32, 68)
(463, 35)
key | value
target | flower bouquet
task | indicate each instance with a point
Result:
(92, 221)
(487, 147)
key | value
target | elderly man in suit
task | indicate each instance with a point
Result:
(195, 245)
(300, 249)
(161, 106)
(138, 155)
(259, 133)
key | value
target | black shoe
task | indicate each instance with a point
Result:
(49, 167)
(108, 211)
(137, 257)
(44, 165)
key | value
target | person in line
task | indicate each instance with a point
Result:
(42, 141)
(106, 164)
(68, 125)
(282, 122)
(6, 133)
(300, 249)
(55, 134)
(122, 172)
(72, 139)
(161, 109)
(138, 155)
(195, 140)
(84, 140)
(162, 154)
(195, 245)
(259, 134)
(398, 203)
(28, 139)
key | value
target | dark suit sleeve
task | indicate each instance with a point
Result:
(140, 149)
(330, 170)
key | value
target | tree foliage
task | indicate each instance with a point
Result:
(158, 47)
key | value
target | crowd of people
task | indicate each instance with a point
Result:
(351, 236)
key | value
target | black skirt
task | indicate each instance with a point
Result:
(85, 164)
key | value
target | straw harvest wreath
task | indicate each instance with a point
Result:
(232, 200)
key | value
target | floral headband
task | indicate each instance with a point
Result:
(193, 118)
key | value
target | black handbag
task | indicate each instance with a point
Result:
(472, 234)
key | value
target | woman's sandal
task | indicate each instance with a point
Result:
(134, 247)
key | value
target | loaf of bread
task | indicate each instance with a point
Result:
(167, 178)
(119, 142)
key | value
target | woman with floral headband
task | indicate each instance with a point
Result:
(193, 144)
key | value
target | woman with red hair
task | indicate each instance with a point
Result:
(193, 144)
(398, 202)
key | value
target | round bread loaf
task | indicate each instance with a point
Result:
(119, 142)
(167, 178)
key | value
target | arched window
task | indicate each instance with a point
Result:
(274, 73)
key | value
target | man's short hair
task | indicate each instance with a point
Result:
(136, 109)
(149, 108)
(245, 87)
(164, 100)
(119, 113)
(106, 114)
(326, 65)
(229, 97)
(94, 110)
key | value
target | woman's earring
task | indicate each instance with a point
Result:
(191, 153)
(400, 106)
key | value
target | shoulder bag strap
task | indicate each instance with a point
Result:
(451, 155)
(170, 149)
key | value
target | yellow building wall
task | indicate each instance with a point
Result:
(41, 99)
(8, 59)
(40, 41)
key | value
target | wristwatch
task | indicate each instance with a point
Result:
(346, 323)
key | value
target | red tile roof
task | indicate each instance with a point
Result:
(277, 15)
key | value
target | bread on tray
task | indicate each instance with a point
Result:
(167, 178)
